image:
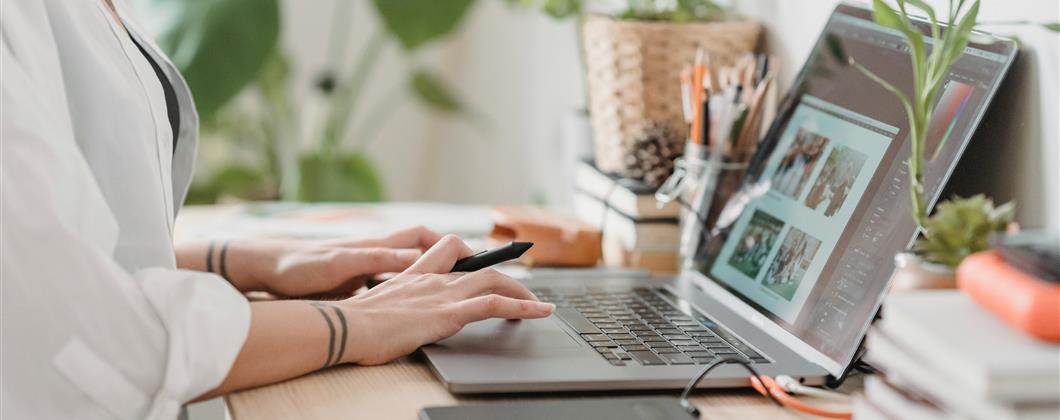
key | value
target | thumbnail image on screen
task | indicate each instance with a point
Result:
(757, 241)
(833, 184)
(798, 163)
(791, 263)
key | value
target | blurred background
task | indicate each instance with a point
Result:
(481, 101)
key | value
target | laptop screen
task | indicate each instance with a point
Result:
(826, 200)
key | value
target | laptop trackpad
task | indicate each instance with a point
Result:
(522, 337)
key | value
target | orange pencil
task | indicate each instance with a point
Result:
(698, 70)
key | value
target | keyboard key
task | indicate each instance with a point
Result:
(626, 342)
(613, 330)
(640, 327)
(704, 334)
(634, 347)
(677, 358)
(662, 350)
(700, 353)
(622, 336)
(657, 344)
(595, 337)
(642, 333)
(723, 352)
(597, 319)
(653, 339)
(609, 355)
(599, 344)
(622, 355)
(665, 331)
(617, 362)
(647, 358)
(609, 325)
(676, 337)
(689, 348)
(576, 321)
(684, 342)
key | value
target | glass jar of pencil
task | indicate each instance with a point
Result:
(726, 108)
(702, 183)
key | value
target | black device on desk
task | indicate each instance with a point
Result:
(491, 257)
(1035, 253)
(655, 408)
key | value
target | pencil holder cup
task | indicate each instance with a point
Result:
(701, 183)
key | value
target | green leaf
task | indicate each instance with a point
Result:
(434, 93)
(558, 9)
(219, 46)
(345, 177)
(1054, 26)
(886, 16)
(417, 22)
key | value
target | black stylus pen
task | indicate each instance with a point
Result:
(491, 257)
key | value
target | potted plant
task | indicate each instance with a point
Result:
(960, 226)
(228, 47)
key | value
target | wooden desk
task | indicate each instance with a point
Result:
(400, 389)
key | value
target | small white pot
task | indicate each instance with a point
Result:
(913, 273)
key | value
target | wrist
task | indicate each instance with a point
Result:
(243, 264)
(362, 331)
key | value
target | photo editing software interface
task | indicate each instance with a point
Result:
(813, 247)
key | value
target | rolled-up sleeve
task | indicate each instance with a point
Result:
(81, 336)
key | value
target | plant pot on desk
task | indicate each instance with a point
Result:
(634, 74)
(914, 273)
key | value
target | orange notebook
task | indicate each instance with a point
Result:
(1023, 301)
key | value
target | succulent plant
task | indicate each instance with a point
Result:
(960, 227)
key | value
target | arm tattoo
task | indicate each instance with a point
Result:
(224, 251)
(209, 257)
(335, 348)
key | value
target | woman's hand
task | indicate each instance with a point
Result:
(289, 338)
(298, 268)
(426, 303)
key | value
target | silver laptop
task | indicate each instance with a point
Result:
(790, 279)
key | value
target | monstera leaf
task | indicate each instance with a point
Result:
(417, 22)
(219, 46)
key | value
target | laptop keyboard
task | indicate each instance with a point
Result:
(639, 326)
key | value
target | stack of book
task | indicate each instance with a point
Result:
(636, 233)
(945, 357)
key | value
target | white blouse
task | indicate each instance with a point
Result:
(97, 322)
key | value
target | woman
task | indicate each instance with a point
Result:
(102, 316)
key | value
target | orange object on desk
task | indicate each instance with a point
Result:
(1023, 301)
(559, 240)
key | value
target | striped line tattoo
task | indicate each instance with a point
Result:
(336, 348)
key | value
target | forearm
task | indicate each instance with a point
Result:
(288, 339)
(233, 260)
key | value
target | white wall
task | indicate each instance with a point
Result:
(520, 69)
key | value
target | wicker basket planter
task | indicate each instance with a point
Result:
(633, 74)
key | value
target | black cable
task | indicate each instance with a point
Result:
(691, 408)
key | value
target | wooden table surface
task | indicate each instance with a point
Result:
(400, 389)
